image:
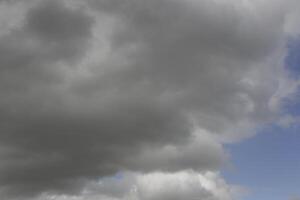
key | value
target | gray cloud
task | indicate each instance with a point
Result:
(90, 89)
(52, 21)
(161, 186)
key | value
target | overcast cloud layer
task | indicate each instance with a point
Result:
(89, 89)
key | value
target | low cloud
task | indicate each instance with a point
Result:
(90, 89)
(156, 186)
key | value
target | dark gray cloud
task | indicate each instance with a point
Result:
(51, 21)
(92, 88)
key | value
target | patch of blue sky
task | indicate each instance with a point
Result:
(291, 106)
(292, 60)
(269, 163)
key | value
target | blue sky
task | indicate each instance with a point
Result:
(292, 59)
(268, 164)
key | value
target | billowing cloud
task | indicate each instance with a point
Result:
(90, 89)
(156, 186)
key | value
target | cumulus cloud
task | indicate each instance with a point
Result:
(156, 186)
(89, 89)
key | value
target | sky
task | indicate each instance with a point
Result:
(268, 164)
(149, 99)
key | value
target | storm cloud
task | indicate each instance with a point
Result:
(90, 89)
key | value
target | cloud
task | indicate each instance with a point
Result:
(156, 186)
(92, 88)
(52, 21)
(200, 152)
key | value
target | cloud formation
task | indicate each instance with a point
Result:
(155, 186)
(89, 89)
